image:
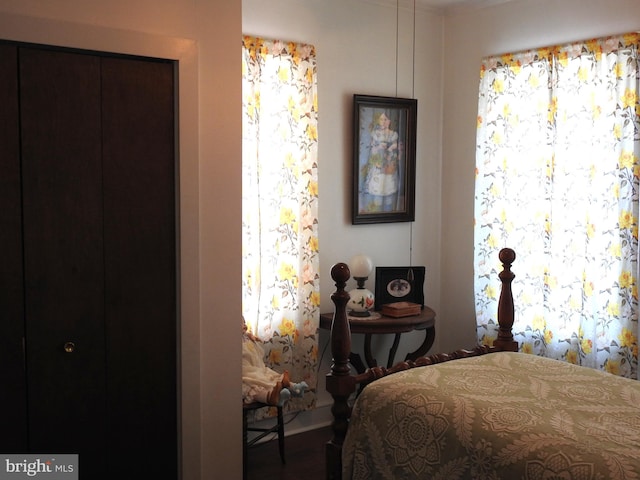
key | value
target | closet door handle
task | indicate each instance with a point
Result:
(69, 347)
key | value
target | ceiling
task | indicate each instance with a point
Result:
(460, 3)
(442, 5)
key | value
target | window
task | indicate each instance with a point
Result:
(557, 180)
(281, 298)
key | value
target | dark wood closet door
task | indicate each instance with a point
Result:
(140, 264)
(12, 373)
(64, 254)
(98, 168)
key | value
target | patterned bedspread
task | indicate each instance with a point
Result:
(498, 416)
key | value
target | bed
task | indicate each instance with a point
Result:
(493, 413)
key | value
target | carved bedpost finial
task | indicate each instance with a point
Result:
(506, 312)
(507, 256)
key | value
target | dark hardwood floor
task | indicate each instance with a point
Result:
(304, 455)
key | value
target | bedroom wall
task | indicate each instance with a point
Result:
(355, 43)
(446, 88)
(204, 36)
(471, 34)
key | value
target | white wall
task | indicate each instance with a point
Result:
(205, 37)
(356, 53)
(471, 34)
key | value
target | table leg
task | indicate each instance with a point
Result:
(371, 362)
(356, 362)
(429, 338)
(393, 350)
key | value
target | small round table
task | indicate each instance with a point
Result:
(381, 324)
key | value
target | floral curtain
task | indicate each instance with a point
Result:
(557, 169)
(280, 286)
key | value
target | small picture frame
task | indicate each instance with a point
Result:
(395, 284)
(384, 159)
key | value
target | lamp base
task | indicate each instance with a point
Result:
(360, 302)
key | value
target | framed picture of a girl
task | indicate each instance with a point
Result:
(384, 159)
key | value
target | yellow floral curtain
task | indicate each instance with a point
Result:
(557, 168)
(280, 206)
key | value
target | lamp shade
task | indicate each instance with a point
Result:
(360, 266)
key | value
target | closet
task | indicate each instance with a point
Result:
(88, 303)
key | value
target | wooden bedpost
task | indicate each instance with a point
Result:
(505, 339)
(340, 384)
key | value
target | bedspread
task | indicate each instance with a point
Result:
(497, 416)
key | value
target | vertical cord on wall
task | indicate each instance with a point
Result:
(413, 95)
(413, 49)
(410, 276)
(397, 40)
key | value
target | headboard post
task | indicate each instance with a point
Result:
(505, 339)
(340, 384)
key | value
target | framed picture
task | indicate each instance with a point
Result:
(384, 159)
(395, 284)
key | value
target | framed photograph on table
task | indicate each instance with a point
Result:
(399, 284)
(384, 159)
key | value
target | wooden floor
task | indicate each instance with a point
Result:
(304, 455)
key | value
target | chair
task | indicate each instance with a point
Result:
(277, 427)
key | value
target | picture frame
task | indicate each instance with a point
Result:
(384, 159)
(394, 284)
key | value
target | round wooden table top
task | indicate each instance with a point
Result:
(378, 323)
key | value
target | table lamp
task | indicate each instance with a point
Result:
(361, 299)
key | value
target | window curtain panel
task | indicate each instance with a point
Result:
(281, 300)
(557, 180)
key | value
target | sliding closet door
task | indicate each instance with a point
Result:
(63, 254)
(140, 262)
(12, 373)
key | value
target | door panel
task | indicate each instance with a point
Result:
(12, 374)
(63, 242)
(139, 191)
